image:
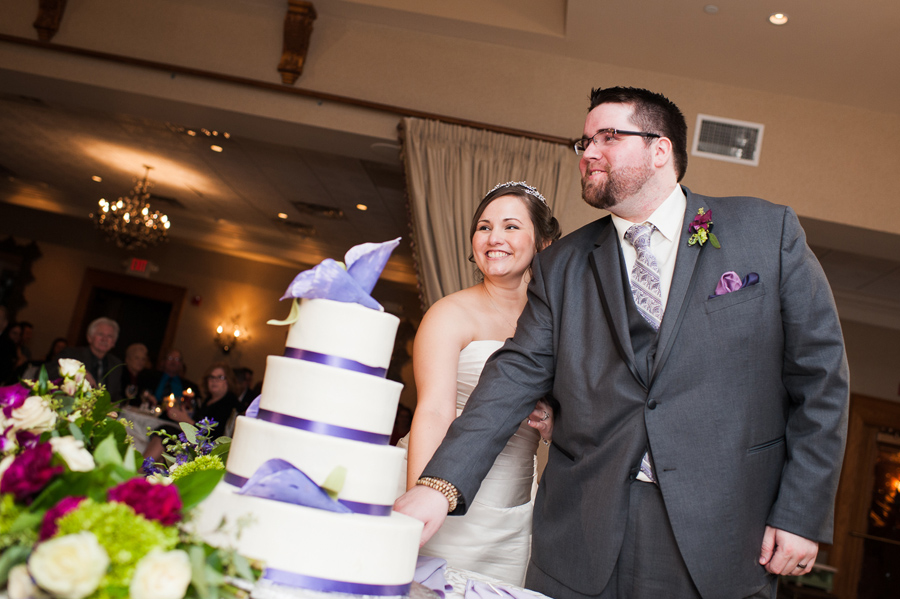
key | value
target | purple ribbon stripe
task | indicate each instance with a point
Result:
(321, 428)
(334, 361)
(369, 509)
(333, 586)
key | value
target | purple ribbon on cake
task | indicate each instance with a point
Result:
(333, 361)
(322, 428)
(279, 480)
(333, 586)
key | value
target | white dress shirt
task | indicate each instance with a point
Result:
(668, 220)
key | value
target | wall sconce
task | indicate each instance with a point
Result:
(229, 335)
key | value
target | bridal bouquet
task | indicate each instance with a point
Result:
(78, 519)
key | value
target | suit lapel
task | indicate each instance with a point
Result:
(607, 269)
(683, 279)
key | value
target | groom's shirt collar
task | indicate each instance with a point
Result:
(668, 219)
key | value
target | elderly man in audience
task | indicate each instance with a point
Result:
(102, 367)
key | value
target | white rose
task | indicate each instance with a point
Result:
(4, 464)
(35, 415)
(68, 367)
(73, 452)
(161, 575)
(70, 567)
(85, 385)
(20, 585)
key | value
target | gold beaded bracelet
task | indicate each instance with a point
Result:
(446, 488)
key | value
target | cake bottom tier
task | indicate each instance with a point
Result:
(311, 548)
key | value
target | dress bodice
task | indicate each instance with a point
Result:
(510, 480)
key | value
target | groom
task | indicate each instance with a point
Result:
(695, 350)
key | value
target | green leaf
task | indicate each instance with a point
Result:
(43, 379)
(11, 557)
(132, 459)
(198, 571)
(76, 432)
(190, 432)
(335, 481)
(196, 486)
(242, 566)
(26, 520)
(108, 452)
(714, 241)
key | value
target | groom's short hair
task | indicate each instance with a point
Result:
(653, 113)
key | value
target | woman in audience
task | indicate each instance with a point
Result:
(217, 403)
(455, 339)
(59, 344)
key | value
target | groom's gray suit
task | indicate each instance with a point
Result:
(743, 404)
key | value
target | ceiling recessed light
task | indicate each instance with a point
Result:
(362, 207)
(282, 215)
(215, 148)
(778, 18)
(97, 178)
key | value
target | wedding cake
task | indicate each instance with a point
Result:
(326, 413)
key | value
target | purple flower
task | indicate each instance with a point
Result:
(29, 473)
(12, 397)
(182, 458)
(701, 221)
(182, 438)
(65, 505)
(207, 424)
(330, 280)
(149, 467)
(205, 448)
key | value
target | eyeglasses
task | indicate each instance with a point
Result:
(606, 137)
(216, 377)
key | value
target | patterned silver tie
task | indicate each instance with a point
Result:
(645, 285)
(647, 293)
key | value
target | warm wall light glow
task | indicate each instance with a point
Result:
(122, 159)
(282, 215)
(779, 18)
(215, 148)
(97, 178)
(362, 207)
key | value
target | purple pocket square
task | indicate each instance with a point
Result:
(730, 281)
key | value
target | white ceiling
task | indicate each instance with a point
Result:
(55, 135)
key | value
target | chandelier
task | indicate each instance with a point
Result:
(129, 222)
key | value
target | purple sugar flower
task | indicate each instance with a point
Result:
(12, 397)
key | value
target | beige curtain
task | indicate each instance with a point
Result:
(449, 169)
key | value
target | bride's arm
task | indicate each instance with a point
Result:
(438, 342)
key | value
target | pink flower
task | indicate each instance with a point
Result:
(65, 505)
(29, 473)
(154, 502)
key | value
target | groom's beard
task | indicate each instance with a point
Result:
(620, 184)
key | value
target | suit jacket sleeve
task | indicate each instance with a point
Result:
(514, 378)
(816, 377)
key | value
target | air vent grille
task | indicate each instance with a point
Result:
(727, 139)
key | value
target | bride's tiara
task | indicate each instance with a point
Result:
(525, 187)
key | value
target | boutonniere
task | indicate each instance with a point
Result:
(701, 229)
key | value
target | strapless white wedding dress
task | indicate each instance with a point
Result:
(494, 536)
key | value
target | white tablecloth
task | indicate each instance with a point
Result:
(141, 421)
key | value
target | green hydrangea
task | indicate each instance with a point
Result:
(125, 535)
(9, 513)
(204, 462)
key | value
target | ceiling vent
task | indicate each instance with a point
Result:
(318, 210)
(727, 139)
(296, 227)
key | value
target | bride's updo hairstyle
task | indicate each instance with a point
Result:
(546, 227)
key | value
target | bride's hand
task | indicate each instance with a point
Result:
(541, 418)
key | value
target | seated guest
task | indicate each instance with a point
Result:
(135, 363)
(59, 344)
(8, 351)
(101, 366)
(167, 380)
(218, 402)
(25, 339)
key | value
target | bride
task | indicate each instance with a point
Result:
(455, 339)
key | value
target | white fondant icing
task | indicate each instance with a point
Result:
(330, 395)
(345, 330)
(372, 470)
(345, 547)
